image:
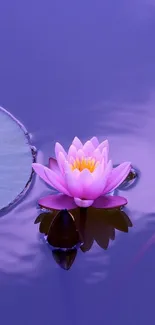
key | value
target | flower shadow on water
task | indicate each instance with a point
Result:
(66, 232)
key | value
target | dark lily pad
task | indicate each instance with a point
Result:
(17, 156)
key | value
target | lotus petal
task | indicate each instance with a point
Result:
(59, 148)
(88, 149)
(58, 202)
(72, 152)
(95, 142)
(104, 144)
(54, 165)
(71, 179)
(109, 202)
(50, 177)
(83, 203)
(77, 143)
(117, 176)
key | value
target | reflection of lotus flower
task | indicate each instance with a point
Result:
(67, 231)
(83, 176)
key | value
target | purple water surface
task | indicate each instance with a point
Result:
(80, 68)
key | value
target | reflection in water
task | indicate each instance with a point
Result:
(64, 258)
(67, 231)
(63, 232)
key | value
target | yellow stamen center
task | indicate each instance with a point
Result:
(88, 163)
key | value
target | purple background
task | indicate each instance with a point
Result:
(80, 68)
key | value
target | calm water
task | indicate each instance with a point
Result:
(80, 68)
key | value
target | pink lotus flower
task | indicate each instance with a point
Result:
(84, 176)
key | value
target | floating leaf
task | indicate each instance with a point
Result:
(16, 159)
